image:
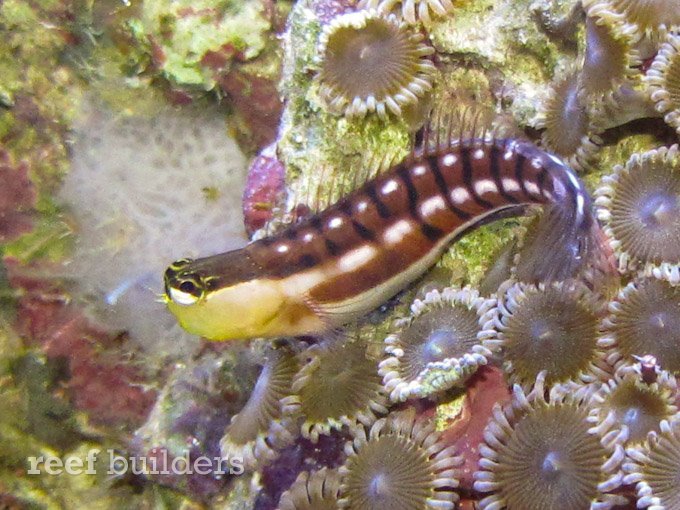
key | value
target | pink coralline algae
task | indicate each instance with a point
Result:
(483, 391)
(256, 103)
(264, 189)
(301, 456)
(17, 197)
(251, 93)
(102, 382)
(253, 96)
(108, 388)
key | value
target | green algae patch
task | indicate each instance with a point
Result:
(42, 95)
(448, 412)
(50, 239)
(476, 252)
(241, 496)
(37, 421)
(39, 90)
(45, 413)
(10, 342)
(618, 154)
(181, 35)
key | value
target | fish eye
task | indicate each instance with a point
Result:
(188, 287)
(182, 298)
(185, 290)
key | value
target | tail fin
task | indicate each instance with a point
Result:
(566, 242)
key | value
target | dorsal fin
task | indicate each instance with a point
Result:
(331, 187)
(451, 123)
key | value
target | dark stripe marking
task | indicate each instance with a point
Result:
(467, 179)
(519, 173)
(316, 223)
(411, 191)
(306, 261)
(363, 231)
(333, 248)
(444, 190)
(383, 210)
(345, 206)
(432, 233)
(496, 175)
(541, 181)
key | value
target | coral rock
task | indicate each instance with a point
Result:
(17, 197)
(102, 382)
(484, 390)
(264, 189)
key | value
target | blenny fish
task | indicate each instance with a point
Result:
(341, 263)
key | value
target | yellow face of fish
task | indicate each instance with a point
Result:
(241, 310)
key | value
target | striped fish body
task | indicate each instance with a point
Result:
(353, 256)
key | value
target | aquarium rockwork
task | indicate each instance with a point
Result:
(339, 254)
